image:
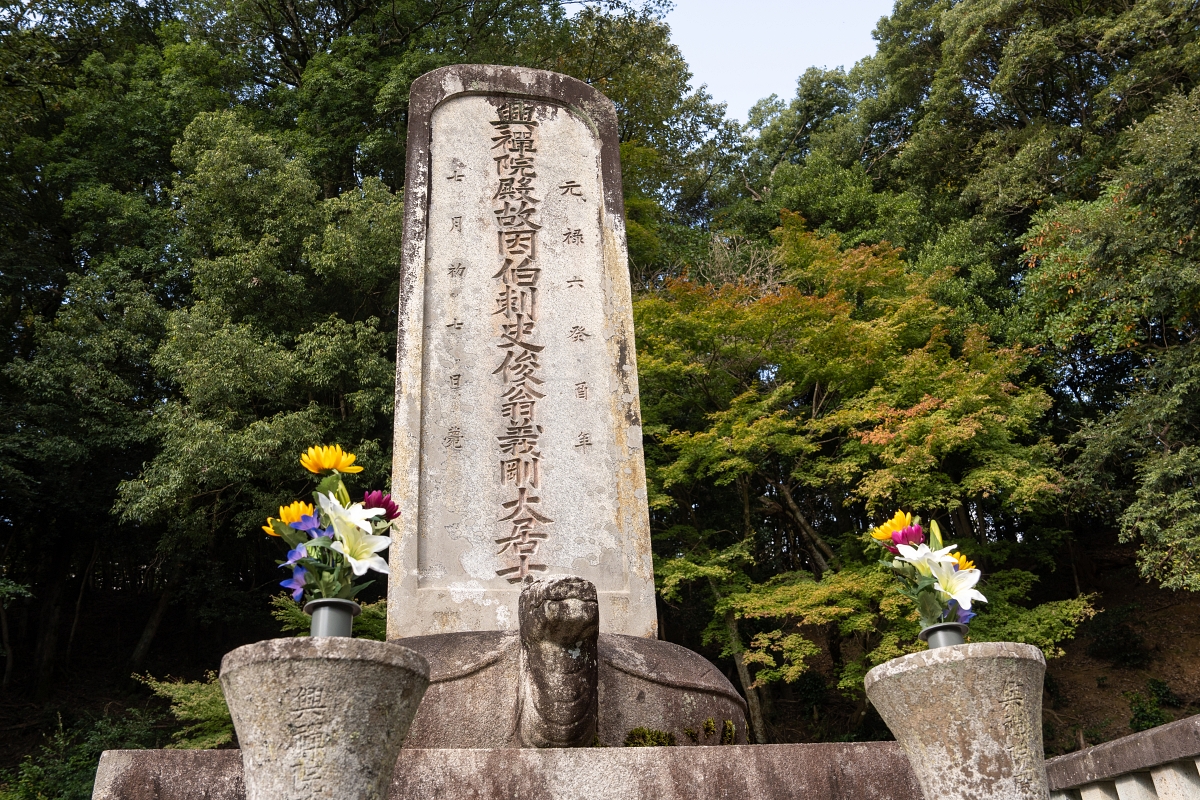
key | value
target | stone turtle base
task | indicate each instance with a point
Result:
(858, 771)
(643, 683)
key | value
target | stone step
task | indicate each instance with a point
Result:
(854, 771)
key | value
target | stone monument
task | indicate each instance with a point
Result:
(522, 575)
(518, 433)
(522, 571)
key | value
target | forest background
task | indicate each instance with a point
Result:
(959, 278)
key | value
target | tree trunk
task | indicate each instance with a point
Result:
(743, 484)
(962, 523)
(809, 531)
(143, 646)
(752, 700)
(48, 638)
(810, 536)
(8, 653)
(816, 562)
(87, 573)
(735, 643)
(756, 717)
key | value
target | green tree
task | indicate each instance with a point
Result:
(788, 418)
(1114, 288)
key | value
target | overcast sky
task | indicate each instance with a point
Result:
(748, 49)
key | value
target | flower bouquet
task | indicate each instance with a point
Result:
(940, 580)
(332, 541)
(988, 695)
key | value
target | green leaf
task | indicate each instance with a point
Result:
(350, 590)
(930, 608)
(289, 534)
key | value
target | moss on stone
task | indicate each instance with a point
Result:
(648, 737)
(728, 733)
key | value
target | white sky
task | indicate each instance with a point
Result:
(746, 50)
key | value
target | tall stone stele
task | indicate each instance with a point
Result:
(518, 433)
(522, 569)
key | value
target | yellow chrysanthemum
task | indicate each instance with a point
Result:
(322, 459)
(897, 523)
(963, 563)
(270, 531)
(293, 513)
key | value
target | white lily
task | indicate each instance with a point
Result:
(925, 559)
(355, 515)
(359, 548)
(353, 537)
(958, 585)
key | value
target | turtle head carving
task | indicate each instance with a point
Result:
(562, 610)
(560, 625)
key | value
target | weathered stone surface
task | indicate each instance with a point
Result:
(1138, 752)
(518, 429)
(321, 718)
(863, 771)
(560, 621)
(969, 717)
(169, 774)
(474, 678)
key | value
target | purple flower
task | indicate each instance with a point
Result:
(296, 583)
(960, 615)
(913, 535)
(311, 523)
(295, 555)
(377, 499)
(308, 522)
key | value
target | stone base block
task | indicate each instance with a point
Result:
(860, 771)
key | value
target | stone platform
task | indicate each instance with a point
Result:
(857, 771)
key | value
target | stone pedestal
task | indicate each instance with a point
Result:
(321, 718)
(969, 717)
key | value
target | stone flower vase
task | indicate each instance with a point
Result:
(321, 717)
(969, 717)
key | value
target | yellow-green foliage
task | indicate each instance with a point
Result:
(829, 398)
(370, 624)
(200, 706)
(1046, 625)
(864, 604)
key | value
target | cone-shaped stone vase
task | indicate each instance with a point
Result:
(969, 717)
(321, 718)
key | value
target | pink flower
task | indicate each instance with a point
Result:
(378, 499)
(912, 535)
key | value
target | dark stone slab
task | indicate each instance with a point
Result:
(860, 771)
(1137, 753)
